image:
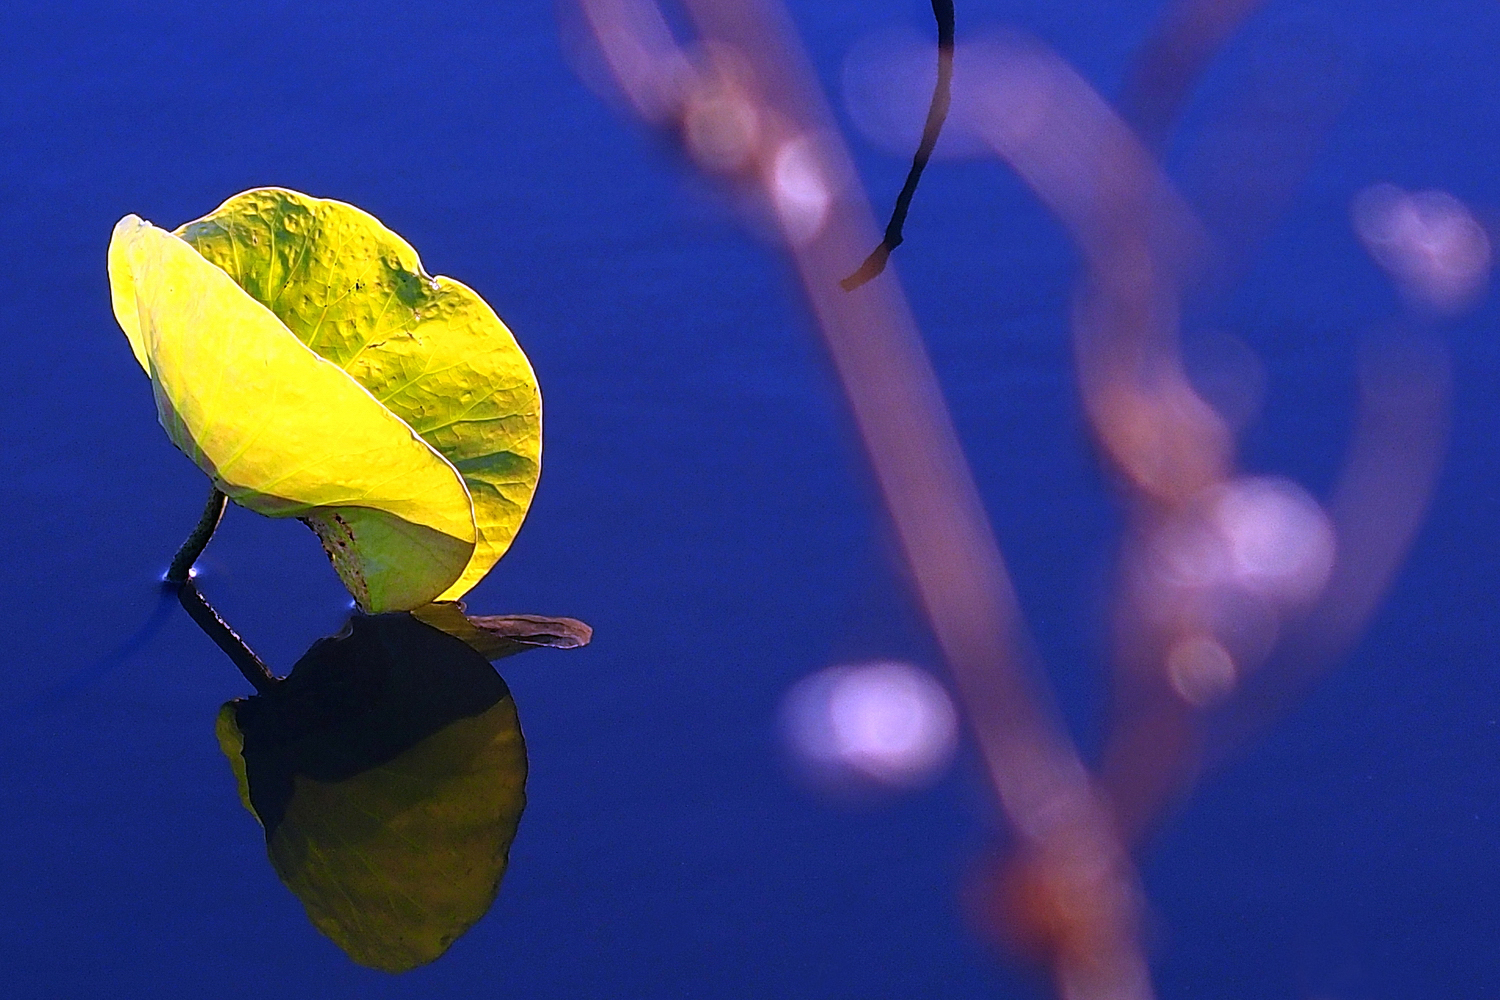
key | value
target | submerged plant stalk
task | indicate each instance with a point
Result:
(226, 638)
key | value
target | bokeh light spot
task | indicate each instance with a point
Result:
(886, 722)
(1280, 543)
(1200, 670)
(1428, 242)
(799, 190)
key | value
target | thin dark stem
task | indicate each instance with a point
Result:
(182, 562)
(937, 113)
(179, 578)
(226, 638)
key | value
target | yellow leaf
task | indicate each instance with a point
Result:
(428, 348)
(285, 432)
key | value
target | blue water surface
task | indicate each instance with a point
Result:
(704, 508)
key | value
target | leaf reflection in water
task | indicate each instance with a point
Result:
(389, 773)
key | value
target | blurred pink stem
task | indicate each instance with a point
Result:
(1188, 36)
(1071, 865)
(924, 481)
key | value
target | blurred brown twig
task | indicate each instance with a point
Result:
(1222, 573)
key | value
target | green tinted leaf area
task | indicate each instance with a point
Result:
(389, 773)
(429, 349)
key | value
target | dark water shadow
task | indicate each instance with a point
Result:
(87, 676)
(388, 771)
